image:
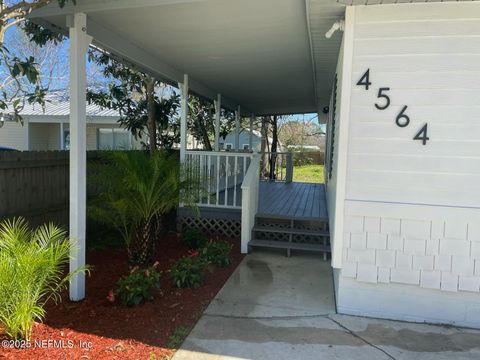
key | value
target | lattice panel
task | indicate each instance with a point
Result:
(223, 227)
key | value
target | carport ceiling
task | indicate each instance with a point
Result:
(256, 53)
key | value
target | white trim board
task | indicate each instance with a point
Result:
(343, 136)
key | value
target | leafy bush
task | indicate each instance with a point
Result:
(217, 252)
(189, 271)
(302, 158)
(193, 239)
(32, 265)
(138, 286)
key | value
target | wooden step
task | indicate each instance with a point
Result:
(289, 217)
(289, 245)
(323, 233)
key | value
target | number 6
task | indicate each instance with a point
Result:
(402, 115)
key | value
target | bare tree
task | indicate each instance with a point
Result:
(51, 60)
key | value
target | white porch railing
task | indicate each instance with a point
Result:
(220, 174)
(250, 188)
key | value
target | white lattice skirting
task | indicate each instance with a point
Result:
(224, 227)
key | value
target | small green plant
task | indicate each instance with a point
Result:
(32, 265)
(189, 271)
(137, 287)
(177, 337)
(217, 252)
(193, 239)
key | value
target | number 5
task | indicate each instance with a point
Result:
(384, 96)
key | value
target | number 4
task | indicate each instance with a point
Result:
(365, 80)
(422, 135)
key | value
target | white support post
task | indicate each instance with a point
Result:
(26, 124)
(250, 138)
(79, 42)
(184, 116)
(62, 140)
(218, 112)
(237, 129)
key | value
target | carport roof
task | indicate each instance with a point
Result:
(268, 56)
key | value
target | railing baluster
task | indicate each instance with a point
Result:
(244, 167)
(209, 181)
(235, 182)
(201, 179)
(226, 180)
(218, 181)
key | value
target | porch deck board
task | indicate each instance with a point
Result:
(303, 201)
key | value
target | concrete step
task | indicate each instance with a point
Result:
(289, 245)
(284, 230)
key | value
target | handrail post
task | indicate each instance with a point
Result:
(289, 168)
(250, 187)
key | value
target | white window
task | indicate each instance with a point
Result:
(228, 146)
(114, 139)
(246, 147)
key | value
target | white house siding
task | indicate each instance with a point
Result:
(44, 137)
(14, 135)
(92, 135)
(53, 136)
(412, 212)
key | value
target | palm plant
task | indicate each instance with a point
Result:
(32, 265)
(134, 191)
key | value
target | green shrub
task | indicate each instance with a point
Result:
(189, 271)
(217, 252)
(193, 239)
(137, 287)
(32, 265)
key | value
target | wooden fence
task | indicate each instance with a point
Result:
(34, 185)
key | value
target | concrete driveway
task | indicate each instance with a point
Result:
(274, 307)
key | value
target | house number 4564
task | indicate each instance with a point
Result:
(402, 119)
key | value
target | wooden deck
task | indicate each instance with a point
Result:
(277, 200)
(301, 201)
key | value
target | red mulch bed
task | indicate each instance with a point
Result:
(116, 331)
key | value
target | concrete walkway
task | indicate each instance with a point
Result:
(274, 307)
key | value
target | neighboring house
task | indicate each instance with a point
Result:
(49, 129)
(228, 143)
(400, 84)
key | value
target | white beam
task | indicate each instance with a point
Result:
(237, 128)
(218, 112)
(89, 6)
(183, 116)
(250, 137)
(79, 41)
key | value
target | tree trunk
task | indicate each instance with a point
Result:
(273, 154)
(142, 250)
(263, 145)
(204, 133)
(152, 126)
